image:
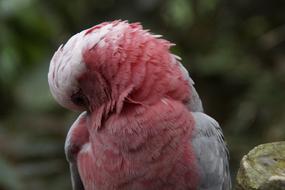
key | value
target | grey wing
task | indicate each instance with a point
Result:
(74, 173)
(195, 103)
(70, 153)
(75, 178)
(211, 152)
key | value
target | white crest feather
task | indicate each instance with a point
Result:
(67, 63)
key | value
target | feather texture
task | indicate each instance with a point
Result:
(211, 153)
(143, 127)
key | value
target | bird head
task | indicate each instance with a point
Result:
(113, 64)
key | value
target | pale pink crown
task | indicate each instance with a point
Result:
(68, 64)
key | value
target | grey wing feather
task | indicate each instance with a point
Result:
(75, 178)
(212, 154)
(195, 103)
(71, 158)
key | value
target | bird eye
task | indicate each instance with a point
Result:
(79, 99)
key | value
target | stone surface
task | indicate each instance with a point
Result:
(263, 168)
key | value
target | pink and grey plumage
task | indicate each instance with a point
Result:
(143, 126)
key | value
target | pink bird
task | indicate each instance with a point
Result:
(142, 126)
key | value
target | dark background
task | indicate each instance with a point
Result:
(234, 51)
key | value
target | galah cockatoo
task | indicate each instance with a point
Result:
(142, 126)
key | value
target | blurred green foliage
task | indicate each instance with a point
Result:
(234, 51)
